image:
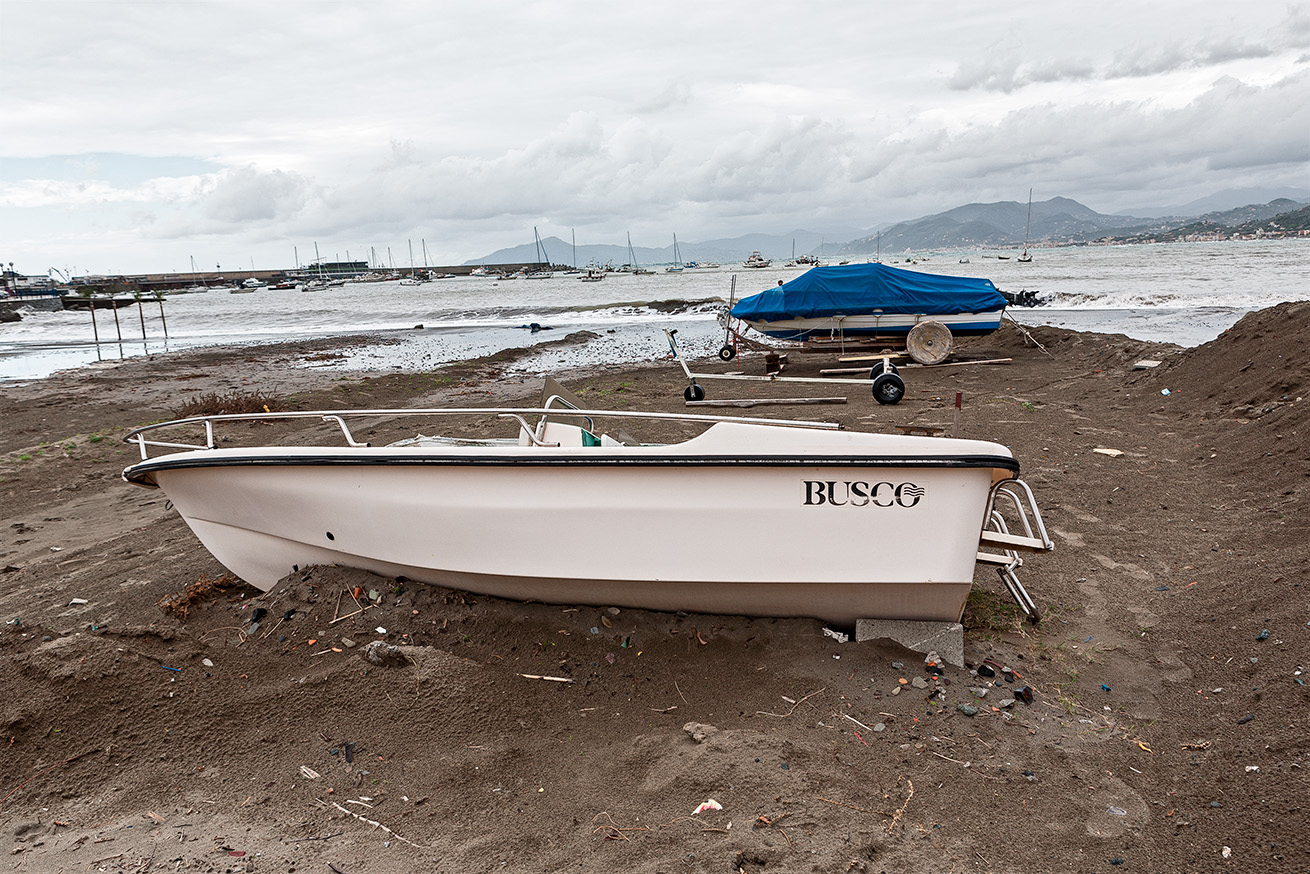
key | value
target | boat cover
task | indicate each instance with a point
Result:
(852, 289)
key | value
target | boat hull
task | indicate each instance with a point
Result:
(839, 526)
(876, 325)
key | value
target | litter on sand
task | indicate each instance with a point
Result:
(708, 805)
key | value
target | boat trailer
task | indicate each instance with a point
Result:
(884, 380)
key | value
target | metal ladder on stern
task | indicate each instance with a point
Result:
(996, 533)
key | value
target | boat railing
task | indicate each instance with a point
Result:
(146, 436)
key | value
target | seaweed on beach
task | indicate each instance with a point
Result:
(180, 603)
(214, 404)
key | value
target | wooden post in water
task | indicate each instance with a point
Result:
(95, 330)
(160, 298)
(141, 314)
(117, 327)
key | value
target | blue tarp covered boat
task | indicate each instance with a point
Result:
(871, 300)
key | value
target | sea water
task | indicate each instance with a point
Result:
(1183, 293)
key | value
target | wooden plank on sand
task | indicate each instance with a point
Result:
(962, 363)
(764, 402)
(873, 357)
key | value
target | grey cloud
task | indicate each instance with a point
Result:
(678, 93)
(247, 195)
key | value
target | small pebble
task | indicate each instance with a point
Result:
(1264, 635)
(967, 709)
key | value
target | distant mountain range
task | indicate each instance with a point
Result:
(1057, 221)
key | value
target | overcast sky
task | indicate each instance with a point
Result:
(139, 135)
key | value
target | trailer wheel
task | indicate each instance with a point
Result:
(694, 392)
(727, 353)
(888, 388)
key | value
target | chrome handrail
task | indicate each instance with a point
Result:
(137, 435)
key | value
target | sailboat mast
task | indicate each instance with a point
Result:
(1027, 231)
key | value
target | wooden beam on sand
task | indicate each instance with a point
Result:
(871, 356)
(840, 370)
(962, 363)
(765, 402)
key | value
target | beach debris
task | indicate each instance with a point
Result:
(838, 636)
(1263, 635)
(180, 604)
(1226, 852)
(711, 804)
(309, 772)
(1113, 453)
(207, 663)
(543, 677)
(1166, 392)
(1116, 811)
(1024, 694)
(1146, 364)
(377, 825)
(700, 731)
(1245, 719)
(383, 654)
(1251, 769)
(80, 601)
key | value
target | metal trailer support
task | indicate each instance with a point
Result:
(884, 380)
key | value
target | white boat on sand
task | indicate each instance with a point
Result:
(751, 516)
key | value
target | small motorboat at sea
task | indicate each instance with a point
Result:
(751, 516)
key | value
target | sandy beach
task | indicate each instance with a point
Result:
(1166, 731)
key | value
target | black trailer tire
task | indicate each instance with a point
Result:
(727, 353)
(694, 392)
(888, 388)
